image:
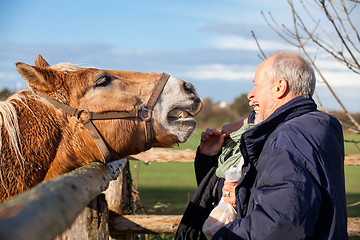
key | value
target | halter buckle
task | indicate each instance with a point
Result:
(147, 115)
(78, 114)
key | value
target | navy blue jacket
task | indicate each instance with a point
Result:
(293, 184)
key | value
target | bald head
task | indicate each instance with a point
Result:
(295, 70)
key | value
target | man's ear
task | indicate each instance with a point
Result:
(281, 88)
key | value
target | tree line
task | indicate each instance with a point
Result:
(5, 93)
(215, 114)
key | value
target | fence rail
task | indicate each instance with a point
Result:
(32, 215)
(143, 224)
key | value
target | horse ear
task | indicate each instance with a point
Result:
(34, 76)
(41, 62)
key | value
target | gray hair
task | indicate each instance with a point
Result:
(296, 70)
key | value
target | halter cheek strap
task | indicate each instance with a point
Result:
(144, 112)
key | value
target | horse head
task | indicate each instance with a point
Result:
(100, 92)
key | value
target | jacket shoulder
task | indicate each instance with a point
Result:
(312, 124)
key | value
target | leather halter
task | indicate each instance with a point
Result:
(144, 112)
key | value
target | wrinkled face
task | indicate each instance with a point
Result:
(261, 96)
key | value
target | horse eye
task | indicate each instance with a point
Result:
(102, 81)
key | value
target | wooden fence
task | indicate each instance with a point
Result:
(75, 206)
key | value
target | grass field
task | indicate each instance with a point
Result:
(165, 188)
(351, 148)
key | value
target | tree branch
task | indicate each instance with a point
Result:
(330, 18)
(263, 57)
(319, 72)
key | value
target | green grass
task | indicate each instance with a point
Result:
(352, 174)
(352, 148)
(165, 188)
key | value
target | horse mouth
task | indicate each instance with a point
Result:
(182, 114)
(179, 120)
(178, 114)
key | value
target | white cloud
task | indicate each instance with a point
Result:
(340, 79)
(336, 73)
(243, 43)
(221, 72)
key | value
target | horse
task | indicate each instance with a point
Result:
(71, 115)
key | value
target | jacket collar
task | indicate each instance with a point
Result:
(253, 140)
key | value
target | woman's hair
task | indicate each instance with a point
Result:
(295, 70)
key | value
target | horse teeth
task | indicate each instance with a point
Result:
(176, 113)
(183, 114)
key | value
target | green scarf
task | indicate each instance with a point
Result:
(231, 153)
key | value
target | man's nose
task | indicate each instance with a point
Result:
(250, 95)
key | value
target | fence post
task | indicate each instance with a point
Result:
(92, 222)
(119, 198)
(119, 193)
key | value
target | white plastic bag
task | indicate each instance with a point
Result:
(234, 173)
(223, 213)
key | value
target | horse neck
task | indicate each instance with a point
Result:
(30, 135)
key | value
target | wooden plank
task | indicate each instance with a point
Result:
(352, 160)
(51, 207)
(142, 224)
(165, 155)
(119, 193)
(145, 224)
(119, 198)
(354, 226)
(188, 155)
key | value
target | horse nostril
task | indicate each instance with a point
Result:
(189, 88)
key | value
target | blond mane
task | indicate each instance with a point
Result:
(9, 118)
(67, 67)
(9, 123)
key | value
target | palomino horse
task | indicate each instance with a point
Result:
(71, 116)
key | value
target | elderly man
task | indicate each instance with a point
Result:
(292, 184)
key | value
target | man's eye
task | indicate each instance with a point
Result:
(102, 81)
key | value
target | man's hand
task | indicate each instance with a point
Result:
(211, 142)
(228, 193)
(232, 127)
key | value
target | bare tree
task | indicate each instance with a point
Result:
(338, 37)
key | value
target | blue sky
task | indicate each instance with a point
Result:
(206, 42)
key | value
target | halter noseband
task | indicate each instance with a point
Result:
(144, 112)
